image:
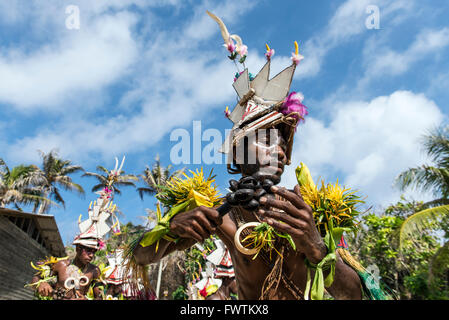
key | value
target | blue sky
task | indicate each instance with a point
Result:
(136, 70)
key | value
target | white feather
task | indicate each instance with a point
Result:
(237, 39)
(121, 165)
(223, 29)
(116, 165)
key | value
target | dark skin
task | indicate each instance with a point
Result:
(114, 290)
(84, 256)
(297, 217)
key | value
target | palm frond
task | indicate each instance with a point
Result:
(416, 223)
(435, 203)
(67, 184)
(57, 197)
(124, 183)
(97, 187)
(36, 200)
(69, 168)
(436, 145)
(425, 178)
(103, 169)
(144, 190)
(128, 177)
(99, 177)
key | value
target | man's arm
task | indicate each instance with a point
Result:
(190, 226)
(97, 285)
(147, 255)
(346, 285)
(43, 288)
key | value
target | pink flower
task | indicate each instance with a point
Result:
(227, 112)
(101, 244)
(293, 106)
(242, 50)
(269, 53)
(230, 46)
(107, 192)
(296, 57)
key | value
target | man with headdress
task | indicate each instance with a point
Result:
(260, 145)
(115, 277)
(67, 279)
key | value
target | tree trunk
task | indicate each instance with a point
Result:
(159, 276)
(43, 204)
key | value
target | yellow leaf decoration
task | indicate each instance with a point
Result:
(179, 190)
(328, 202)
(182, 195)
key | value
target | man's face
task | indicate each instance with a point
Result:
(85, 254)
(264, 155)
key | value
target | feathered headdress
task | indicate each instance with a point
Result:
(102, 218)
(263, 102)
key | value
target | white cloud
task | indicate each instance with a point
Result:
(381, 61)
(85, 60)
(347, 22)
(174, 82)
(367, 144)
(174, 78)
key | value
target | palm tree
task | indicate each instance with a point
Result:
(16, 186)
(428, 177)
(156, 177)
(55, 173)
(103, 179)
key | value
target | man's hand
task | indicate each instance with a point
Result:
(197, 224)
(297, 220)
(45, 289)
(79, 296)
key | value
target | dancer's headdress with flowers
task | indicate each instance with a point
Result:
(102, 218)
(263, 102)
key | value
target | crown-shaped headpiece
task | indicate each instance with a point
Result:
(263, 102)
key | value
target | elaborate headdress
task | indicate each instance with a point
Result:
(102, 218)
(263, 102)
(218, 267)
(116, 273)
(221, 258)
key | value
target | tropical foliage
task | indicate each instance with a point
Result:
(53, 175)
(16, 188)
(39, 187)
(428, 177)
(156, 176)
(407, 272)
(103, 177)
